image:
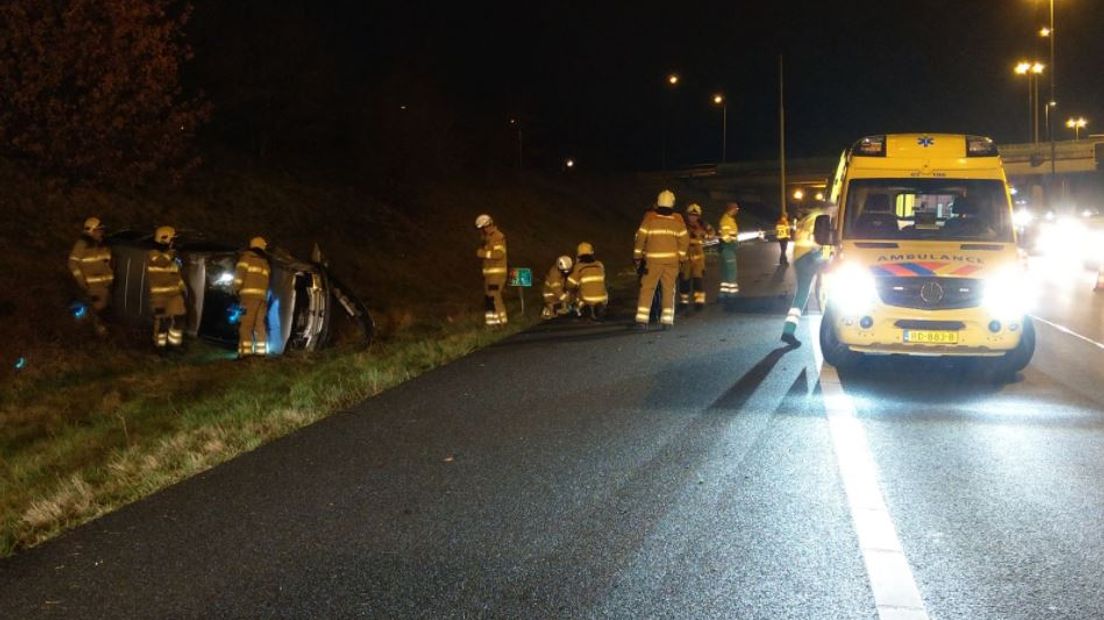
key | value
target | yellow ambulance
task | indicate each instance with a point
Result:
(924, 255)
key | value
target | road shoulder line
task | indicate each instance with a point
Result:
(896, 595)
(1068, 331)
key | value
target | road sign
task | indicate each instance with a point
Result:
(521, 276)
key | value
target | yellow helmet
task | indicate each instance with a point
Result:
(666, 199)
(483, 221)
(93, 224)
(164, 234)
(584, 249)
(258, 243)
(694, 209)
(564, 263)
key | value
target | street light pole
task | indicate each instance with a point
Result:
(1053, 101)
(672, 81)
(722, 101)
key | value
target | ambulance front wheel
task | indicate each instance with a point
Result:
(835, 352)
(1017, 359)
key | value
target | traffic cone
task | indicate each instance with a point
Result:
(1099, 280)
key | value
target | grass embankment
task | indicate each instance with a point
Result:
(90, 425)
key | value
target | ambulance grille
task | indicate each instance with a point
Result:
(930, 293)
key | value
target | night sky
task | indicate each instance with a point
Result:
(588, 78)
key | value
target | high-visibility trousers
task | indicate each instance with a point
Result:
(783, 244)
(494, 309)
(665, 275)
(807, 268)
(730, 285)
(692, 280)
(252, 331)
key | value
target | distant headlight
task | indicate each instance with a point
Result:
(852, 288)
(1008, 294)
(225, 278)
(1023, 218)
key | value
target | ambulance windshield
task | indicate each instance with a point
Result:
(928, 209)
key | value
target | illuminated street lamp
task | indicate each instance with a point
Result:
(1077, 124)
(672, 82)
(1031, 69)
(719, 99)
(820, 196)
(1044, 32)
(569, 163)
(799, 195)
(516, 124)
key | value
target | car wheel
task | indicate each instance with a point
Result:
(1017, 359)
(835, 353)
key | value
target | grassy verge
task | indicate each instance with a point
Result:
(155, 423)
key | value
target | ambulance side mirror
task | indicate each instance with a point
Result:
(823, 233)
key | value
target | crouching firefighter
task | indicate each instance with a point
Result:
(165, 287)
(91, 265)
(251, 278)
(588, 283)
(809, 260)
(493, 255)
(692, 278)
(556, 299)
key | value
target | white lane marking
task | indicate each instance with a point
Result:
(895, 593)
(1066, 330)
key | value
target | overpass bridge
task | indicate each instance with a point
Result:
(1077, 164)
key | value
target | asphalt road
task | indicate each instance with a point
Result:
(584, 470)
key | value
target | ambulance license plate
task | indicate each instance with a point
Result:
(930, 337)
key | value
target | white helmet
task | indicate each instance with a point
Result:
(483, 221)
(564, 263)
(666, 199)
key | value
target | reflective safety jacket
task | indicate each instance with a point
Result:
(661, 240)
(804, 241)
(729, 229)
(554, 285)
(493, 254)
(589, 279)
(164, 282)
(699, 231)
(782, 229)
(251, 275)
(90, 262)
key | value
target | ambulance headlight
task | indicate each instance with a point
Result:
(852, 288)
(1008, 294)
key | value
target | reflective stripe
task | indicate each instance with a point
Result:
(795, 311)
(493, 270)
(662, 254)
(251, 292)
(98, 279)
(156, 290)
(699, 297)
(595, 300)
(155, 269)
(593, 279)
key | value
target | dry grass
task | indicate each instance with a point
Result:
(89, 426)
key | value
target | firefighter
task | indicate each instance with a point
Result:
(692, 278)
(809, 259)
(729, 232)
(493, 255)
(251, 278)
(556, 298)
(662, 243)
(166, 290)
(587, 283)
(782, 229)
(92, 267)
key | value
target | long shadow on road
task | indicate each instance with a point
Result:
(618, 525)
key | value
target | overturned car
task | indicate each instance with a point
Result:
(305, 301)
